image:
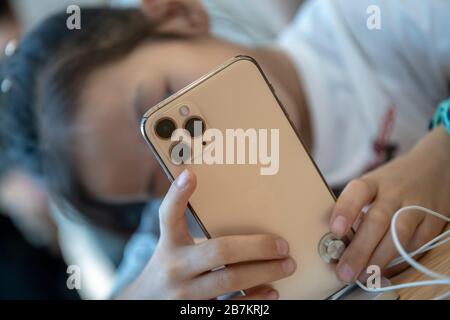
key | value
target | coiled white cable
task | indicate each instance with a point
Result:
(426, 247)
(439, 279)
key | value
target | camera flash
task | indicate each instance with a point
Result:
(184, 111)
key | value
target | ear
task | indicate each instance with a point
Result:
(186, 17)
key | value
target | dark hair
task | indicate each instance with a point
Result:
(47, 75)
(5, 8)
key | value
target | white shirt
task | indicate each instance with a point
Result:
(367, 85)
(250, 22)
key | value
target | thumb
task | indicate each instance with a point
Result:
(173, 224)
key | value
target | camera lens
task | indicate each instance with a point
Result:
(165, 127)
(184, 111)
(196, 126)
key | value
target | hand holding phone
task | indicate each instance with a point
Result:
(254, 174)
(180, 269)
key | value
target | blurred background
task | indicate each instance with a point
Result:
(36, 242)
(31, 262)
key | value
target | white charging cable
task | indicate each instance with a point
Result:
(439, 279)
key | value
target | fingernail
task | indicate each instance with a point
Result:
(183, 180)
(339, 225)
(282, 247)
(363, 278)
(346, 273)
(288, 266)
(272, 295)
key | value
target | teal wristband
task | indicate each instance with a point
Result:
(442, 116)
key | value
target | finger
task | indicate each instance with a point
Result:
(430, 228)
(373, 228)
(263, 292)
(240, 277)
(386, 250)
(349, 205)
(218, 252)
(187, 16)
(173, 224)
(163, 10)
(153, 8)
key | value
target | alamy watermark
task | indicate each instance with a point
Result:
(73, 21)
(374, 18)
(234, 146)
(74, 277)
(374, 279)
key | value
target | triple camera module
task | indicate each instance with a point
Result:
(164, 128)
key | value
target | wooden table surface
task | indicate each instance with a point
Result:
(438, 260)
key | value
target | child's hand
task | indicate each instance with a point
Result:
(188, 17)
(180, 269)
(422, 177)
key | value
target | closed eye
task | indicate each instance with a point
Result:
(143, 101)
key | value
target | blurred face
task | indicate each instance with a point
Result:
(113, 161)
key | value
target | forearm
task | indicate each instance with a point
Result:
(436, 144)
(432, 157)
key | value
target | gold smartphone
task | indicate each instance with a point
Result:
(289, 198)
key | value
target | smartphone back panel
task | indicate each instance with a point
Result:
(233, 199)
